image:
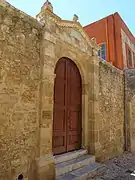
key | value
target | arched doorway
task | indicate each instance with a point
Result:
(67, 122)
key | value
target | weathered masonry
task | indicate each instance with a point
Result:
(56, 95)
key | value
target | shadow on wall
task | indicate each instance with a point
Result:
(130, 109)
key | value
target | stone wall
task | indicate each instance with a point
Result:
(60, 39)
(111, 111)
(19, 92)
(130, 109)
(29, 53)
(132, 124)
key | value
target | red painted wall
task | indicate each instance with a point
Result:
(111, 39)
(128, 33)
(118, 42)
(98, 30)
(108, 30)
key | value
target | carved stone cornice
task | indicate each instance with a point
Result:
(78, 26)
(67, 24)
(49, 14)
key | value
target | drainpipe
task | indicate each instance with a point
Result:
(125, 137)
(125, 117)
(114, 30)
(107, 42)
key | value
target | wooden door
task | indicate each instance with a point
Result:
(74, 92)
(67, 107)
(59, 117)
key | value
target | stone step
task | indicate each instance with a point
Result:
(84, 173)
(76, 163)
(70, 155)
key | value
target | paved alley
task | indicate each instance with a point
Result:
(119, 168)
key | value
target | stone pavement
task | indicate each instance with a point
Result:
(119, 168)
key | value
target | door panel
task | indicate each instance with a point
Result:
(74, 107)
(67, 107)
(59, 123)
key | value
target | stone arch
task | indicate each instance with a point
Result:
(84, 118)
(77, 63)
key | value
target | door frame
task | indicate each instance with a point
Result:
(85, 95)
(66, 91)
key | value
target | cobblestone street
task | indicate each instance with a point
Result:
(120, 168)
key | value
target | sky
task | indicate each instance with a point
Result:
(87, 10)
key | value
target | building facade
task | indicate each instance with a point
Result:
(57, 95)
(116, 41)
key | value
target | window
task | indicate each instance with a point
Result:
(99, 53)
(102, 51)
(129, 58)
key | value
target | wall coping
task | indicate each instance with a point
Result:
(112, 68)
(23, 15)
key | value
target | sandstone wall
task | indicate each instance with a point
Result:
(60, 39)
(111, 111)
(132, 124)
(130, 109)
(19, 92)
(28, 56)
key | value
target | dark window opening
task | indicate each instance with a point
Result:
(134, 60)
(102, 51)
(129, 58)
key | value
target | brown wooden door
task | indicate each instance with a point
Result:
(67, 107)
(74, 93)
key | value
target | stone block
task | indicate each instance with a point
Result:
(46, 168)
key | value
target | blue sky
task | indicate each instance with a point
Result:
(87, 10)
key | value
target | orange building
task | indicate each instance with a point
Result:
(116, 41)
